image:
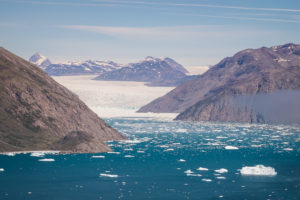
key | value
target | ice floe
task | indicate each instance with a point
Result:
(168, 150)
(221, 171)
(47, 160)
(1, 170)
(202, 169)
(188, 171)
(129, 156)
(109, 175)
(113, 152)
(32, 153)
(98, 156)
(231, 148)
(181, 160)
(206, 180)
(258, 170)
(192, 174)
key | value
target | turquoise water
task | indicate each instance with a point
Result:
(154, 164)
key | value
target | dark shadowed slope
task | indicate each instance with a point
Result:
(39, 114)
(212, 97)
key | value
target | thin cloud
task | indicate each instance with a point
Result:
(201, 5)
(238, 18)
(120, 3)
(165, 33)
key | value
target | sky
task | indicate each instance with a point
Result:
(193, 32)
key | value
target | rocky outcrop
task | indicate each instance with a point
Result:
(39, 114)
(212, 96)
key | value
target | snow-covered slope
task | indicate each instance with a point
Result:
(40, 60)
(82, 68)
(156, 71)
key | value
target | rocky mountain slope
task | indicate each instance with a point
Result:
(39, 114)
(215, 95)
(156, 71)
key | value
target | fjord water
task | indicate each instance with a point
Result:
(160, 161)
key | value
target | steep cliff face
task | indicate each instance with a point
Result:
(37, 113)
(252, 71)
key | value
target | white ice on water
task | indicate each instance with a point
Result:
(109, 175)
(115, 98)
(221, 171)
(258, 170)
(98, 156)
(231, 148)
(1, 170)
(202, 169)
(47, 160)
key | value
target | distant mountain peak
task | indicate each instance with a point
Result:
(40, 60)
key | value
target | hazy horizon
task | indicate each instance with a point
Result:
(194, 32)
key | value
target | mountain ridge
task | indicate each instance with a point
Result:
(251, 71)
(37, 113)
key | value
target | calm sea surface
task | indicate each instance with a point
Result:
(162, 161)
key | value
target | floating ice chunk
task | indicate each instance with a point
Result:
(164, 146)
(129, 156)
(231, 148)
(181, 160)
(191, 174)
(221, 177)
(140, 151)
(256, 145)
(221, 171)
(188, 171)
(37, 154)
(288, 149)
(134, 141)
(181, 130)
(206, 180)
(202, 169)
(98, 156)
(9, 154)
(113, 152)
(168, 150)
(109, 175)
(258, 170)
(1, 170)
(47, 160)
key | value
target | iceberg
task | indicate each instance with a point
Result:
(221, 171)
(98, 156)
(258, 170)
(181, 160)
(129, 156)
(194, 175)
(202, 169)
(109, 175)
(188, 171)
(206, 180)
(231, 148)
(47, 160)
(1, 170)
